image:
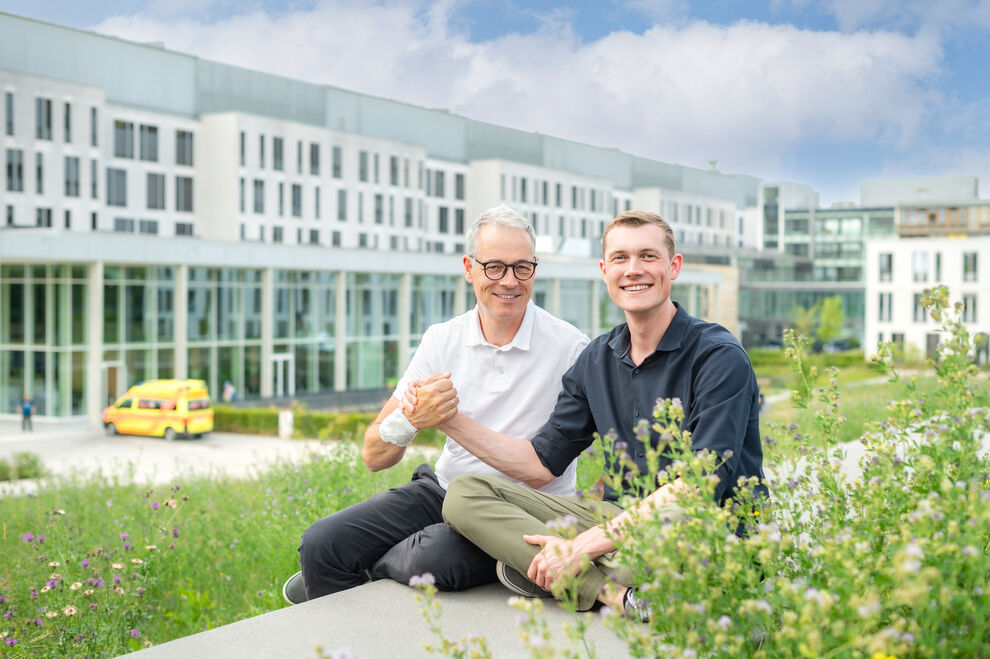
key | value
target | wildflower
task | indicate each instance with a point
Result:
(37, 622)
(54, 564)
(52, 583)
(151, 547)
(419, 580)
(117, 566)
(44, 589)
(69, 610)
(75, 586)
(135, 633)
(58, 511)
(116, 580)
(124, 536)
(140, 591)
(119, 590)
(175, 533)
(8, 615)
(11, 642)
(137, 561)
(51, 614)
(176, 487)
(170, 503)
(88, 592)
(41, 539)
(3, 599)
(27, 537)
(84, 563)
(154, 505)
(724, 622)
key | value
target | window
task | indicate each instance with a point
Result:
(184, 194)
(316, 202)
(558, 194)
(68, 219)
(376, 168)
(71, 176)
(342, 205)
(277, 154)
(243, 194)
(259, 196)
(335, 239)
(920, 313)
(243, 155)
(314, 236)
(8, 116)
(337, 158)
(969, 308)
(885, 312)
(970, 266)
(116, 187)
(123, 225)
(93, 128)
(92, 221)
(276, 234)
(148, 143)
(43, 118)
(10, 215)
(67, 123)
(378, 209)
(94, 179)
(393, 170)
(299, 157)
(938, 267)
(296, 200)
(459, 186)
(314, 159)
(405, 172)
(261, 151)
(156, 191)
(149, 227)
(522, 189)
(886, 266)
(919, 266)
(408, 212)
(363, 166)
(185, 228)
(39, 173)
(281, 198)
(43, 217)
(123, 139)
(438, 184)
(15, 170)
(443, 220)
(574, 197)
(459, 221)
(183, 148)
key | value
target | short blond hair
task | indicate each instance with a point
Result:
(636, 218)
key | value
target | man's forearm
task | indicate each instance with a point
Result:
(512, 456)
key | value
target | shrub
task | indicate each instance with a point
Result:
(24, 465)
(5, 470)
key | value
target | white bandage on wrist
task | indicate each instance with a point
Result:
(396, 429)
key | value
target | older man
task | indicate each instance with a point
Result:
(506, 358)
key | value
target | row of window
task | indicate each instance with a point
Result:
(123, 143)
(518, 189)
(148, 227)
(885, 308)
(921, 271)
(43, 218)
(155, 188)
(44, 119)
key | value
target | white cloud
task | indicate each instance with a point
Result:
(745, 93)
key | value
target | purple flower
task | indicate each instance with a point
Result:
(176, 487)
(124, 536)
(79, 638)
(84, 563)
(127, 546)
(41, 539)
(154, 505)
(135, 633)
(3, 598)
(27, 537)
(37, 622)
(116, 580)
(11, 642)
(175, 533)
(140, 591)
(51, 583)
(8, 615)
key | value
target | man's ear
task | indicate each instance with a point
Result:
(468, 269)
(601, 266)
(675, 266)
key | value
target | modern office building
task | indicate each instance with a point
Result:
(168, 216)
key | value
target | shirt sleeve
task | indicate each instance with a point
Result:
(724, 390)
(425, 361)
(570, 429)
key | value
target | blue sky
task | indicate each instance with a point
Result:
(825, 93)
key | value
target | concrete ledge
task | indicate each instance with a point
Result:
(378, 619)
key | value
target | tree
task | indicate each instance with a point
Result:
(830, 319)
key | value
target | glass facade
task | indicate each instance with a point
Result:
(43, 337)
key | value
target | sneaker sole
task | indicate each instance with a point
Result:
(285, 594)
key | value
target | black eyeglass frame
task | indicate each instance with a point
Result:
(505, 268)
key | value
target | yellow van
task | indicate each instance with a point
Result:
(162, 408)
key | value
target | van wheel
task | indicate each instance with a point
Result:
(110, 429)
(169, 433)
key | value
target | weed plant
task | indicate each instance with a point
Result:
(887, 560)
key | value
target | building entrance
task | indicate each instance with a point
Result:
(284, 373)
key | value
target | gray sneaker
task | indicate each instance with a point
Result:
(294, 589)
(518, 583)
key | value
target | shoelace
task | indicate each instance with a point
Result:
(636, 608)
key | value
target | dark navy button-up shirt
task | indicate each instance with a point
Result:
(699, 362)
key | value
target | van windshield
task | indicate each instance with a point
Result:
(201, 404)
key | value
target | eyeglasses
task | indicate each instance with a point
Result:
(495, 270)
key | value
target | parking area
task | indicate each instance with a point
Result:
(65, 447)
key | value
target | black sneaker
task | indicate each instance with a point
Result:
(636, 608)
(294, 589)
(518, 583)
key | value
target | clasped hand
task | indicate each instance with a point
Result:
(429, 402)
(558, 560)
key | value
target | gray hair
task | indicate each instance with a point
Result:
(502, 216)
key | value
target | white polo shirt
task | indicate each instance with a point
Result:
(510, 389)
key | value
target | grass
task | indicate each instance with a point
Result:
(221, 550)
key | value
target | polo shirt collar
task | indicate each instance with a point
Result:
(522, 339)
(671, 339)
